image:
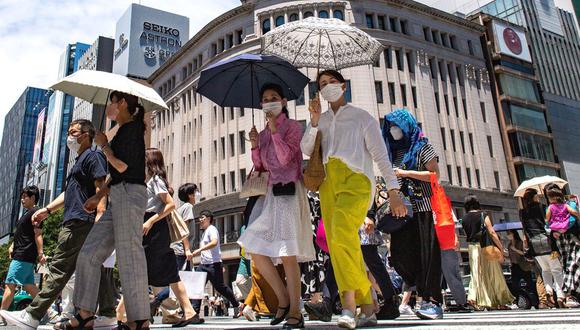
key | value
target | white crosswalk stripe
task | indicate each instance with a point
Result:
(556, 319)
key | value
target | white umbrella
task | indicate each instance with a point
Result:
(538, 183)
(95, 86)
(324, 43)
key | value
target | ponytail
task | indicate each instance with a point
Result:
(135, 109)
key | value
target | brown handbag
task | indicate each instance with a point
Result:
(177, 227)
(314, 173)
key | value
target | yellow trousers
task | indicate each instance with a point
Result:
(344, 200)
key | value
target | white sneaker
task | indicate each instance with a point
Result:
(366, 322)
(21, 319)
(103, 322)
(248, 313)
(406, 310)
(347, 320)
(572, 303)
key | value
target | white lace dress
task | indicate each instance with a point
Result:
(280, 226)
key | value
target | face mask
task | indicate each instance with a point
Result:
(72, 144)
(396, 133)
(197, 195)
(112, 111)
(272, 107)
(332, 92)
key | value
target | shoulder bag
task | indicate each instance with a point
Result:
(314, 173)
(256, 184)
(177, 227)
(385, 221)
(488, 249)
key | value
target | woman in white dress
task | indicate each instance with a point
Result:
(279, 229)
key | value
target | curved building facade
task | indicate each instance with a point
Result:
(432, 64)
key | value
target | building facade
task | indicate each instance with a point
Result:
(433, 65)
(555, 50)
(528, 140)
(51, 174)
(17, 151)
(145, 38)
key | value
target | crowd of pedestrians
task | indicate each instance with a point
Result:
(322, 246)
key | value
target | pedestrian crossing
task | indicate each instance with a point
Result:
(556, 319)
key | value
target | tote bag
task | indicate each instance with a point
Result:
(442, 212)
(256, 184)
(314, 173)
(194, 283)
(177, 227)
(488, 249)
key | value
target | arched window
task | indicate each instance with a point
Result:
(279, 20)
(338, 14)
(266, 26)
(308, 14)
(293, 17)
(323, 14)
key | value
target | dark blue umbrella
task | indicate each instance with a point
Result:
(505, 226)
(236, 82)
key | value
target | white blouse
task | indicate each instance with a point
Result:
(353, 136)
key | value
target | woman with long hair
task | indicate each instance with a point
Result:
(351, 142)
(533, 223)
(279, 230)
(487, 287)
(521, 268)
(161, 260)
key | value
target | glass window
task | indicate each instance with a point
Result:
(370, 21)
(433, 68)
(450, 174)
(531, 146)
(464, 102)
(446, 100)
(468, 173)
(308, 14)
(399, 59)
(404, 94)
(293, 17)
(443, 138)
(300, 99)
(414, 94)
(381, 22)
(404, 26)
(520, 88)
(410, 62)
(312, 89)
(379, 91)
(392, 93)
(348, 92)
(452, 132)
(393, 24)
(526, 171)
(323, 14)
(470, 47)
(280, 20)
(526, 117)
(483, 113)
(266, 26)
(388, 58)
(459, 176)
(471, 143)
(496, 177)
(462, 140)
(338, 14)
(437, 102)
(242, 137)
(478, 178)
(490, 146)
(426, 33)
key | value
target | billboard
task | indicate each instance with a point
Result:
(39, 137)
(511, 40)
(145, 38)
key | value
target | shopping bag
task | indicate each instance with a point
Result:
(321, 237)
(441, 206)
(194, 283)
(178, 229)
(256, 184)
(314, 173)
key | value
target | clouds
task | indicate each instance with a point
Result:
(35, 34)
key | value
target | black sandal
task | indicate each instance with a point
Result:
(193, 320)
(278, 320)
(67, 325)
(125, 326)
(298, 325)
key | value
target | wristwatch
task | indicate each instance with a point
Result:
(48, 210)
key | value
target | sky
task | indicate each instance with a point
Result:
(36, 32)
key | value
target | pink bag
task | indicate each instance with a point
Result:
(321, 237)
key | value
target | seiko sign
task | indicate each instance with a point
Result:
(123, 42)
(161, 29)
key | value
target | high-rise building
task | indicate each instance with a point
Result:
(433, 65)
(16, 151)
(555, 51)
(145, 38)
(98, 57)
(521, 110)
(52, 177)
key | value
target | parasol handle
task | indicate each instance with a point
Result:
(103, 115)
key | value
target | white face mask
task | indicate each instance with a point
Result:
(272, 107)
(332, 92)
(197, 195)
(396, 133)
(72, 144)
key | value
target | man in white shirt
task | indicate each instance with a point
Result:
(211, 260)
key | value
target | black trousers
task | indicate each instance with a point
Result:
(519, 274)
(216, 276)
(379, 271)
(416, 256)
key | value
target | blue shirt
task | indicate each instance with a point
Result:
(80, 184)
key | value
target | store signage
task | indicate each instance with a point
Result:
(511, 41)
(160, 41)
(123, 42)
